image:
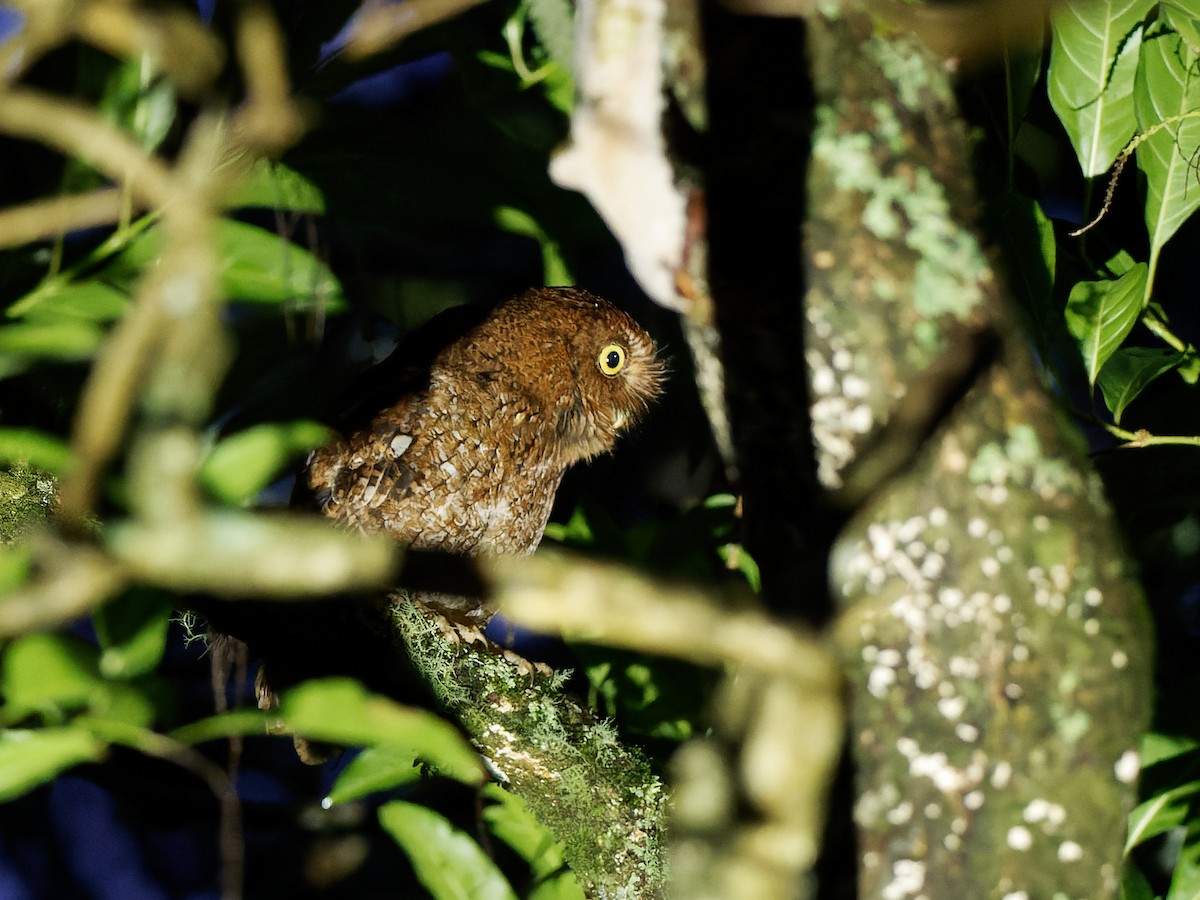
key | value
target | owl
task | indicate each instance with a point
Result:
(469, 453)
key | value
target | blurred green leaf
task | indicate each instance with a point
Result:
(448, 863)
(509, 818)
(89, 301)
(515, 221)
(16, 565)
(224, 725)
(139, 102)
(1185, 881)
(1129, 370)
(53, 674)
(275, 186)
(133, 632)
(1167, 86)
(341, 711)
(241, 465)
(1093, 58)
(45, 670)
(31, 757)
(1156, 747)
(1100, 315)
(66, 340)
(1134, 884)
(35, 448)
(554, 24)
(375, 769)
(257, 266)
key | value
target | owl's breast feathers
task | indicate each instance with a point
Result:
(470, 463)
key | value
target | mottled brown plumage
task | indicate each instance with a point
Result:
(468, 460)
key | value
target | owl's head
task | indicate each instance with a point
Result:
(589, 366)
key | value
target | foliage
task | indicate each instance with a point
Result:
(1106, 310)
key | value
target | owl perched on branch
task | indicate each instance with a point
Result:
(467, 457)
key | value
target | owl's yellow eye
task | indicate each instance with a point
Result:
(611, 359)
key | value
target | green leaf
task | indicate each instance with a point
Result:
(241, 465)
(1162, 812)
(340, 710)
(1156, 747)
(223, 725)
(516, 221)
(1100, 315)
(554, 25)
(39, 671)
(257, 266)
(375, 769)
(1168, 85)
(1185, 882)
(31, 757)
(35, 448)
(1093, 59)
(1182, 16)
(89, 301)
(1129, 370)
(1134, 884)
(16, 565)
(137, 102)
(448, 863)
(510, 819)
(276, 186)
(52, 674)
(67, 340)
(133, 633)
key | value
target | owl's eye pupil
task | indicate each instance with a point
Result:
(611, 360)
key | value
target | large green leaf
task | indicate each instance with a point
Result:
(1168, 85)
(1185, 881)
(92, 301)
(1093, 59)
(66, 340)
(1129, 370)
(447, 861)
(276, 186)
(30, 757)
(375, 769)
(243, 464)
(1162, 812)
(510, 819)
(341, 710)
(133, 632)
(1100, 315)
(36, 448)
(257, 266)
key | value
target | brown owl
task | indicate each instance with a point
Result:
(468, 457)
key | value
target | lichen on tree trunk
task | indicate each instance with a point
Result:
(995, 638)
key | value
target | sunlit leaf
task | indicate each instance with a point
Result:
(66, 340)
(375, 769)
(42, 670)
(36, 448)
(91, 301)
(1168, 85)
(341, 711)
(138, 102)
(133, 633)
(510, 819)
(241, 465)
(54, 673)
(257, 266)
(1129, 370)
(31, 757)
(276, 186)
(1100, 315)
(448, 863)
(1184, 17)
(1160, 813)
(1093, 58)
(224, 725)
